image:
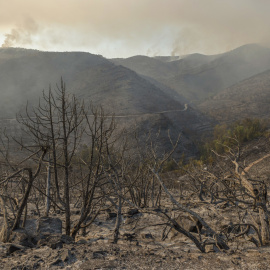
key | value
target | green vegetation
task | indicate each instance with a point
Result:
(226, 137)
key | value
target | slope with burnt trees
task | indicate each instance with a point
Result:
(197, 76)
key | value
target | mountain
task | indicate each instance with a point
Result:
(25, 73)
(147, 92)
(249, 98)
(134, 100)
(198, 77)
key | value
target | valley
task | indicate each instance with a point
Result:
(155, 162)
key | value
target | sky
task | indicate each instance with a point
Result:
(123, 28)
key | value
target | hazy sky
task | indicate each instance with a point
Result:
(122, 28)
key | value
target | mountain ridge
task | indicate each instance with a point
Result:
(248, 98)
(121, 91)
(197, 77)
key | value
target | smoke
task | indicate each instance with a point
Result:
(22, 34)
(128, 27)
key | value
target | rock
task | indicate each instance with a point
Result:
(195, 227)
(129, 236)
(54, 241)
(12, 248)
(132, 212)
(190, 224)
(55, 244)
(195, 256)
(76, 265)
(66, 239)
(3, 250)
(112, 258)
(81, 241)
(49, 225)
(111, 215)
(99, 254)
(67, 256)
(147, 236)
(31, 227)
(36, 265)
(223, 205)
(42, 231)
(57, 262)
(211, 248)
(21, 237)
(75, 212)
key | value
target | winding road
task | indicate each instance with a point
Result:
(120, 116)
(143, 114)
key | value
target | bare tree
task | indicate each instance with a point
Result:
(154, 165)
(105, 173)
(99, 138)
(15, 200)
(57, 123)
(229, 183)
(64, 124)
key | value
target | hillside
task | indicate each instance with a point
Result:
(132, 98)
(25, 73)
(198, 77)
(249, 98)
(145, 92)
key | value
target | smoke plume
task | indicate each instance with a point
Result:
(128, 27)
(22, 34)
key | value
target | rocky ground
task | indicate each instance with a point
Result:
(102, 255)
(140, 246)
(145, 242)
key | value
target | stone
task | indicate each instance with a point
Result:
(21, 237)
(211, 248)
(12, 248)
(54, 241)
(3, 250)
(81, 241)
(49, 225)
(188, 223)
(111, 215)
(196, 227)
(99, 254)
(31, 227)
(66, 239)
(129, 236)
(147, 236)
(132, 212)
(112, 258)
(67, 256)
(57, 262)
(55, 245)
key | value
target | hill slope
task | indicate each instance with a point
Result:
(249, 98)
(25, 73)
(196, 76)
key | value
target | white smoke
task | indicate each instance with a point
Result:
(127, 27)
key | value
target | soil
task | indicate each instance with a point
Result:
(102, 255)
(145, 242)
(140, 247)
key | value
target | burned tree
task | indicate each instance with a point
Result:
(92, 164)
(64, 125)
(14, 201)
(57, 123)
(228, 184)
